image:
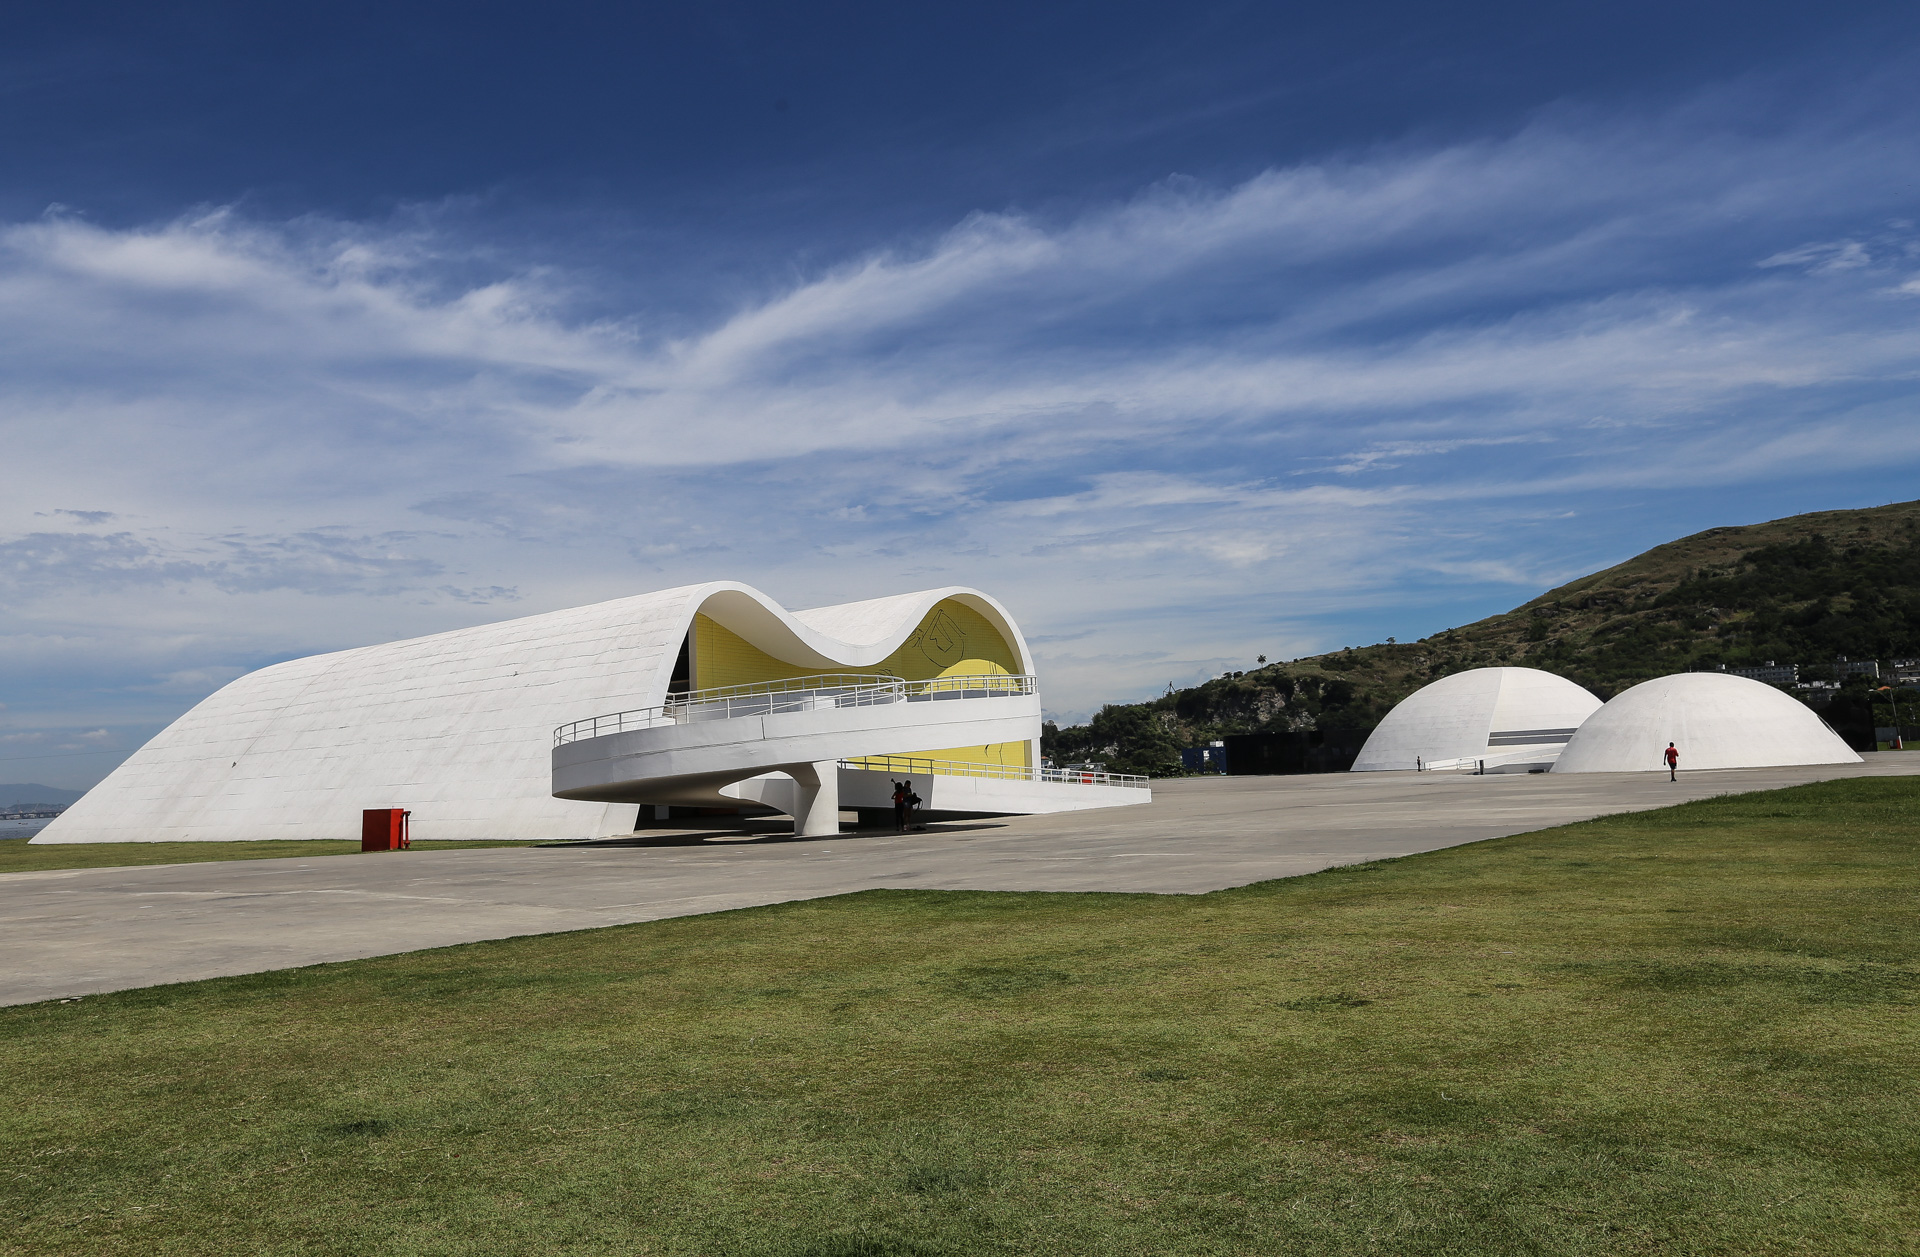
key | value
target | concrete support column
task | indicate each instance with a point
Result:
(816, 806)
(617, 820)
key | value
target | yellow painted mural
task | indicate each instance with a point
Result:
(951, 640)
(948, 639)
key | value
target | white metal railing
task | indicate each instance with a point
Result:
(908, 765)
(982, 686)
(793, 694)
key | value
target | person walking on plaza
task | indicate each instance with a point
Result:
(1673, 763)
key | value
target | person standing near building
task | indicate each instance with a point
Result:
(1673, 762)
(902, 790)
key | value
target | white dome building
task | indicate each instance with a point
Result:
(1713, 719)
(1509, 719)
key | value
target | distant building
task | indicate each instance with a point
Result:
(1289, 751)
(1211, 758)
(1817, 693)
(1772, 674)
(1803, 675)
(32, 811)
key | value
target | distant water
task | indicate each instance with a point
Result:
(15, 828)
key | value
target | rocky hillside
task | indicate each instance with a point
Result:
(1804, 590)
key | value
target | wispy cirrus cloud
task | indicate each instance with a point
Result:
(1483, 274)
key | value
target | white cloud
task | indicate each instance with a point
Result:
(1202, 420)
(321, 561)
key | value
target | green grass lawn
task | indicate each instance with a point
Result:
(1683, 1031)
(17, 856)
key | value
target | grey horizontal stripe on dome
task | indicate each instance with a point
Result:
(1528, 737)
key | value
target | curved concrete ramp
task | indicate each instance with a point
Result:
(712, 748)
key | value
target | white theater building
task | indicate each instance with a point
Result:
(567, 725)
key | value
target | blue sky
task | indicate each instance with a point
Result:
(1193, 332)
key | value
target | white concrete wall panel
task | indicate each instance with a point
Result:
(456, 727)
(1479, 713)
(1714, 720)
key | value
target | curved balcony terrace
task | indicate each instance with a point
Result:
(688, 749)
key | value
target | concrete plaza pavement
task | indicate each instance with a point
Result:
(73, 932)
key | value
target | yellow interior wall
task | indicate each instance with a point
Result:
(723, 657)
(1013, 754)
(951, 640)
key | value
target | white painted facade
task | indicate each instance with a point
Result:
(1714, 720)
(1505, 718)
(459, 727)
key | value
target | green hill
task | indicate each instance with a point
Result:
(1806, 590)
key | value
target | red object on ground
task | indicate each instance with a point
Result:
(384, 829)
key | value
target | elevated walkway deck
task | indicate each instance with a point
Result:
(809, 745)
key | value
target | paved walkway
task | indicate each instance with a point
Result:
(74, 932)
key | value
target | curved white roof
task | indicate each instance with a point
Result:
(1510, 715)
(1714, 720)
(458, 726)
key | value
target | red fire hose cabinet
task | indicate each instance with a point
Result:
(384, 829)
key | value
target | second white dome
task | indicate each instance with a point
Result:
(1714, 720)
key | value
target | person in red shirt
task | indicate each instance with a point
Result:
(1673, 763)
